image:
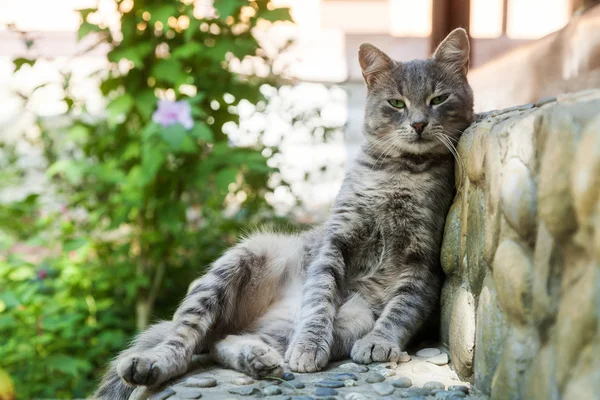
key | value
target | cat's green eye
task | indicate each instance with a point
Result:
(439, 99)
(397, 103)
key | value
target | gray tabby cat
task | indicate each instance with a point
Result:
(359, 286)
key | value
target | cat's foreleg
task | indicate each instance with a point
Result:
(415, 298)
(310, 348)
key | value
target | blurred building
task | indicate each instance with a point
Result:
(521, 50)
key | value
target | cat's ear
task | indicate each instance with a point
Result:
(454, 51)
(373, 62)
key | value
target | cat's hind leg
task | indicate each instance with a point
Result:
(237, 289)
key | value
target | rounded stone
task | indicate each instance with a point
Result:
(412, 392)
(296, 384)
(355, 396)
(325, 391)
(383, 389)
(451, 244)
(434, 385)
(343, 376)
(189, 393)
(288, 376)
(440, 359)
(329, 384)
(303, 398)
(404, 357)
(585, 174)
(518, 194)
(271, 390)
(513, 271)
(462, 388)
(491, 328)
(245, 391)
(165, 394)
(201, 382)
(475, 267)
(402, 382)
(385, 372)
(492, 209)
(520, 347)
(352, 367)
(428, 352)
(462, 332)
(476, 157)
(243, 380)
(456, 394)
(554, 182)
(374, 377)
(350, 383)
(281, 397)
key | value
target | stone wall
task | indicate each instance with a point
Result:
(521, 304)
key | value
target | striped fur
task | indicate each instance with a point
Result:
(362, 284)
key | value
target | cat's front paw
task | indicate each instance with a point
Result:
(308, 355)
(373, 348)
(138, 369)
(148, 368)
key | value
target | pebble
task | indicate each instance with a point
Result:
(386, 373)
(457, 393)
(243, 380)
(404, 357)
(325, 391)
(288, 376)
(352, 367)
(350, 383)
(329, 384)
(163, 395)
(355, 396)
(271, 390)
(344, 376)
(415, 392)
(402, 382)
(189, 394)
(282, 397)
(440, 359)
(462, 388)
(200, 382)
(389, 365)
(429, 352)
(303, 398)
(246, 391)
(297, 384)
(434, 385)
(374, 377)
(383, 389)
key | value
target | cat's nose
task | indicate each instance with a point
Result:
(419, 127)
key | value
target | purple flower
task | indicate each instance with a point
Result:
(173, 112)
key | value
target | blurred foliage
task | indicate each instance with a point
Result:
(144, 209)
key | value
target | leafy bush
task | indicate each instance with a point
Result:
(153, 191)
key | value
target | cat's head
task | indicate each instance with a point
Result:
(419, 106)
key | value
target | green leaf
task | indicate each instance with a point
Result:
(162, 13)
(177, 138)
(277, 14)
(152, 159)
(119, 106)
(224, 178)
(203, 132)
(169, 70)
(146, 103)
(85, 29)
(78, 133)
(19, 62)
(150, 131)
(227, 7)
(187, 50)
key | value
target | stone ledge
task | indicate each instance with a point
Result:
(522, 251)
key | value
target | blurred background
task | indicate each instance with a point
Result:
(138, 139)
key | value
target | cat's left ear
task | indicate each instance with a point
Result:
(454, 51)
(373, 63)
